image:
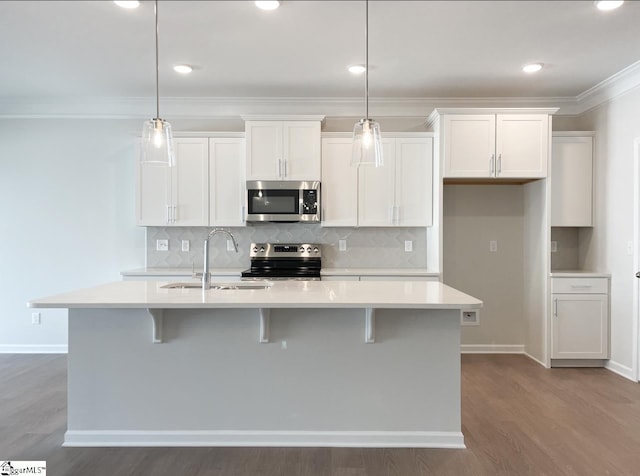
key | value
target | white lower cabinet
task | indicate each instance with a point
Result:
(580, 318)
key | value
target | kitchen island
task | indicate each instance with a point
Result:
(298, 363)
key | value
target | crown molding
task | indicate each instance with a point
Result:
(235, 107)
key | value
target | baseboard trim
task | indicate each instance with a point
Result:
(369, 439)
(34, 349)
(491, 349)
(535, 359)
(621, 370)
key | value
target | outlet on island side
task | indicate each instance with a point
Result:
(470, 318)
(35, 318)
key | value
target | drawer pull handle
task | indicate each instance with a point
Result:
(581, 286)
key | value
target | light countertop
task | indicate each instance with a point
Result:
(282, 294)
(153, 271)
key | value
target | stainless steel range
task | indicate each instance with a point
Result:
(284, 261)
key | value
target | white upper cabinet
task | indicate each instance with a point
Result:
(339, 183)
(495, 145)
(397, 194)
(176, 196)
(283, 150)
(226, 182)
(414, 181)
(572, 181)
(376, 190)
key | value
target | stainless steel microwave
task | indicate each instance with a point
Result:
(283, 201)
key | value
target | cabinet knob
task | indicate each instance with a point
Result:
(638, 274)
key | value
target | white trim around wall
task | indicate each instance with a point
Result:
(370, 439)
(635, 371)
(33, 349)
(491, 349)
(621, 370)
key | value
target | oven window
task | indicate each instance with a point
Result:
(274, 202)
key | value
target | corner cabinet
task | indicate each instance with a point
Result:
(580, 318)
(512, 144)
(206, 186)
(283, 150)
(397, 194)
(572, 179)
(176, 196)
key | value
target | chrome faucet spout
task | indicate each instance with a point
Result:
(206, 278)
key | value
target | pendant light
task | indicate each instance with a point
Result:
(157, 141)
(367, 144)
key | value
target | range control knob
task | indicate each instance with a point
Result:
(255, 249)
(262, 249)
(316, 250)
(308, 249)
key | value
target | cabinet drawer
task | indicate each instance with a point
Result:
(579, 285)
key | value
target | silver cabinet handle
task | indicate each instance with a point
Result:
(242, 215)
(581, 286)
(391, 214)
(175, 214)
(168, 214)
(286, 168)
(499, 165)
(279, 169)
(555, 308)
(491, 162)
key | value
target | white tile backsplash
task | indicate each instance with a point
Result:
(366, 247)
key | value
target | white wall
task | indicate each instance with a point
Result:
(617, 124)
(67, 189)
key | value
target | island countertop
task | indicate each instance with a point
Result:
(282, 294)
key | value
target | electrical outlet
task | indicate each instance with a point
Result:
(283, 345)
(554, 246)
(35, 318)
(408, 245)
(493, 246)
(470, 318)
(342, 245)
(162, 245)
(185, 245)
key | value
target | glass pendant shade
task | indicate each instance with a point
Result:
(367, 144)
(157, 143)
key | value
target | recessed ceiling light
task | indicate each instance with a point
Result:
(270, 5)
(609, 4)
(182, 68)
(127, 4)
(532, 68)
(357, 69)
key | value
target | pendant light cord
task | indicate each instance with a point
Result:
(366, 55)
(157, 67)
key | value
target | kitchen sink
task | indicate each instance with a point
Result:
(221, 286)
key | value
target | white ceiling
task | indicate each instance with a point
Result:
(466, 49)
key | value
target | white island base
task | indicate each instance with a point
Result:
(314, 382)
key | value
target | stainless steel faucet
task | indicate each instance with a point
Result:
(206, 278)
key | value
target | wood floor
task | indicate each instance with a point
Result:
(518, 419)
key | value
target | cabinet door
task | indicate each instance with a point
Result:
(376, 190)
(226, 182)
(264, 150)
(580, 326)
(339, 197)
(414, 182)
(572, 181)
(190, 183)
(301, 150)
(469, 145)
(522, 145)
(153, 195)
